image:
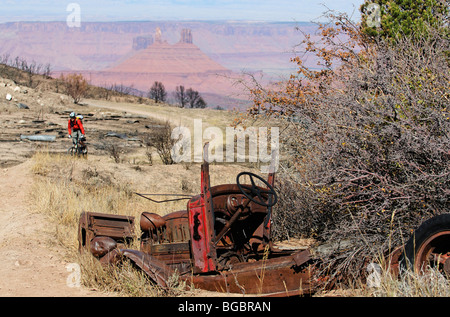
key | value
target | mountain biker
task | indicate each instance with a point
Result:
(75, 126)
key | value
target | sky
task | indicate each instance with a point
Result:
(151, 10)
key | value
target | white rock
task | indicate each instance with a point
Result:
(8, 97)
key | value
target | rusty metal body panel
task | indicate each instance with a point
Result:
(170, 243)
(286, 275)
(91, 225)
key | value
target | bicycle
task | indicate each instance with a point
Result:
(78, 149)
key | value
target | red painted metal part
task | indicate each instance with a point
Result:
(202, 227)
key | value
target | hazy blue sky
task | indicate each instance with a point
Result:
(112, 10)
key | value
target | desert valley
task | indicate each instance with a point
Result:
(211, 57)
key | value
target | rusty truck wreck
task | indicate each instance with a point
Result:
(222, 242)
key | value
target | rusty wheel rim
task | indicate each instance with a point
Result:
(434, 253)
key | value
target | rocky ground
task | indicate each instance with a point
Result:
(30, 265)
(27, 113)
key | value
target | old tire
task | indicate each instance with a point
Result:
(429, 246)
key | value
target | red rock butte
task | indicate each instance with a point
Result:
(182, 63)
(166, 58)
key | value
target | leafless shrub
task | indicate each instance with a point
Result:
(188, 98)
(149, 155)
(121, 89)
(76, 86)
(161, 140)
(292, 217)
(157, 92)
(22, 71)
(114, 151)
(186, 186)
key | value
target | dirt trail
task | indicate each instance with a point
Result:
(29, 266)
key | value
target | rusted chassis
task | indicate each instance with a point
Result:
(270, 272)
(220, 243)
(286, 275)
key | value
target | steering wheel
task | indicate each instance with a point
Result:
(255, 193)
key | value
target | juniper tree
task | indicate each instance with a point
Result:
(393, 18)
(158, 92)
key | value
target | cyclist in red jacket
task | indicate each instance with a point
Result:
(76, 128)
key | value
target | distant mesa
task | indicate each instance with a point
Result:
(183, 63)
(161, 57)
(97, 48)
(154, 59)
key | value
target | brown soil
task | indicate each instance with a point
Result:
(29, 265)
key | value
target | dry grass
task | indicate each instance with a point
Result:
(177, 116)
(123, 280)
(64, 187)
(385, 284)
(62, 196)
(432, 284)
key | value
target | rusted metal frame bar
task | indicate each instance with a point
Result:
(157, 270)
(183, 197)
(230, 222)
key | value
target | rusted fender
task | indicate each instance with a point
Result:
(282, 276)
(151, 221)
(100, 246)
(154, 268)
